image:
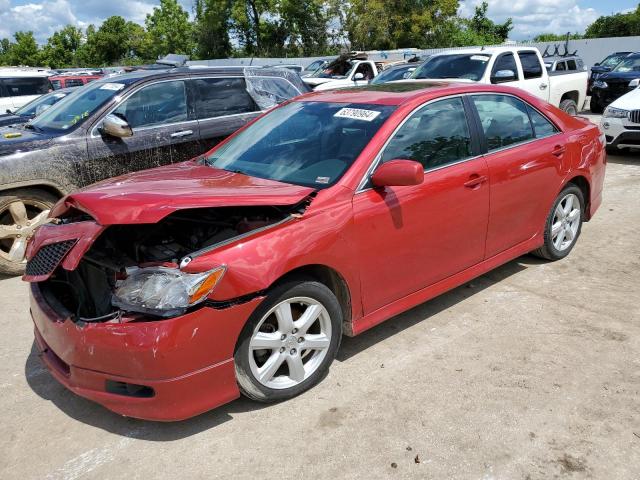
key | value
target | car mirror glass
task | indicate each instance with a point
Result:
(115, 126)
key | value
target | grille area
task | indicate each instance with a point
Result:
(634, 116)
(48, 258)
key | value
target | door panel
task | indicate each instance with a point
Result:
(163, 133)
(411, 237)
(533, 75)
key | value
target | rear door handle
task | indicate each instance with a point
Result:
(543, 86)
(558, 150)
(475, 181)
(182, 133)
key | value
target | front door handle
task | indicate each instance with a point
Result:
(475, 181)
(558, 150)
(182, 133)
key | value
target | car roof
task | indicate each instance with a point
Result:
(23, 72)
(398, 93)
(557, 59)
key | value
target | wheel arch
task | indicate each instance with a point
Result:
(14, 190)
(571, 95)
(583, 184)
(330, 278)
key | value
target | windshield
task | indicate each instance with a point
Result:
(467, 66)
(313, 66)
(613, 60)
(304, 143)
(75, 108)
(629, 64)
(393, 74)
(335, 70)
(40, 104)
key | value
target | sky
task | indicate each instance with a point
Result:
(530, 17)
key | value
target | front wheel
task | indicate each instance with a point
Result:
(289, 342)
(20, 215)
(563, 225)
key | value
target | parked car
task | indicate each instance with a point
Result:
(606, 65)
(612, 85)
(33, 108)
(397, 72)
(564, 64)
(314, 67)
(621, 122)
(520, 67)
(118, 125)
(350, 70)
(21, 85)
(165, 293)
(293, 67)
(74, 80)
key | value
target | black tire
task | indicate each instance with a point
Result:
(569, 106)
(595, 106)
(549, 251)
(35, 201)
(249, 385)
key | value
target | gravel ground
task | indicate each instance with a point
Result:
(529, 372)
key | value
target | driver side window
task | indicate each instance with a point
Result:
(157, 104)
(436, 135)
(505, 61)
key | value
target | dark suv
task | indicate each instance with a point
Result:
(121, 124)
(612, 85)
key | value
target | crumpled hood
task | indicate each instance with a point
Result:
(150, 195)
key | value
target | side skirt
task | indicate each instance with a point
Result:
(449, 283)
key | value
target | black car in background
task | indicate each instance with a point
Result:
(606, 65)
(610, 86)
(121, 124)
(33, 108)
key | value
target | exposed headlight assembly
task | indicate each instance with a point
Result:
(612, 112)
(600, 84)
(164, 291)
(634, 83)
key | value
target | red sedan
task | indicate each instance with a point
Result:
(165, 293)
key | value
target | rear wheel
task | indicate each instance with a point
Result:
(20, 215)
(569, 106)
(563, 225)
(289, 342)
(595, 106)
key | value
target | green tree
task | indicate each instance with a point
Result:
(211, 28)
(24, 51)
(110, 42)
(553, 37)
(306, 24)
(60, 49)
(484, 26)
(5, 47)
(618, 25)
(169, 29)
(382, 24)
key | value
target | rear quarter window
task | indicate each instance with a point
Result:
(217, 97)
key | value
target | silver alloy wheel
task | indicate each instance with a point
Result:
(566, 222)
(21, 218)
(290, 342)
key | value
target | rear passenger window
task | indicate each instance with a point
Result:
(560, 66)
(19, 86)
(571, 65)
(217, 97)
(73, 82)
(435, 136)
(504, 119)
(531, 67)
(542, 127)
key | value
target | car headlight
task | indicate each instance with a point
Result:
(612, 112)
(634, 83)
(164, 291)
(600, 84)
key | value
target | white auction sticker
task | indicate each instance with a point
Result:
(357, 114)
(112, 86)
(480, 58)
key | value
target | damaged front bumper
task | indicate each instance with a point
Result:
(163, 370)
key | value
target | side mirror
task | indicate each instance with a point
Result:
(116, 127)
(503, 76)
(396, 173)
(358, 76)
(606, 69)
(8, 110)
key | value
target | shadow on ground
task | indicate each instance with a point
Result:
(93, 414)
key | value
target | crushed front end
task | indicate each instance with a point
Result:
(118, 321)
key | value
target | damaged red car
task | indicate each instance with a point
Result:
(165, 293)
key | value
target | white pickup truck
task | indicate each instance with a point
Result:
(520, 67)
(341, 74)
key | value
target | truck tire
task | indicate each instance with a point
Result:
(569, 106)
(595, 106)
(20, 214)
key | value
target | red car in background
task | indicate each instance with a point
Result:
(168, 292)
(65, 81)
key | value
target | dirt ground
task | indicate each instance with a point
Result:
(530, 372)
